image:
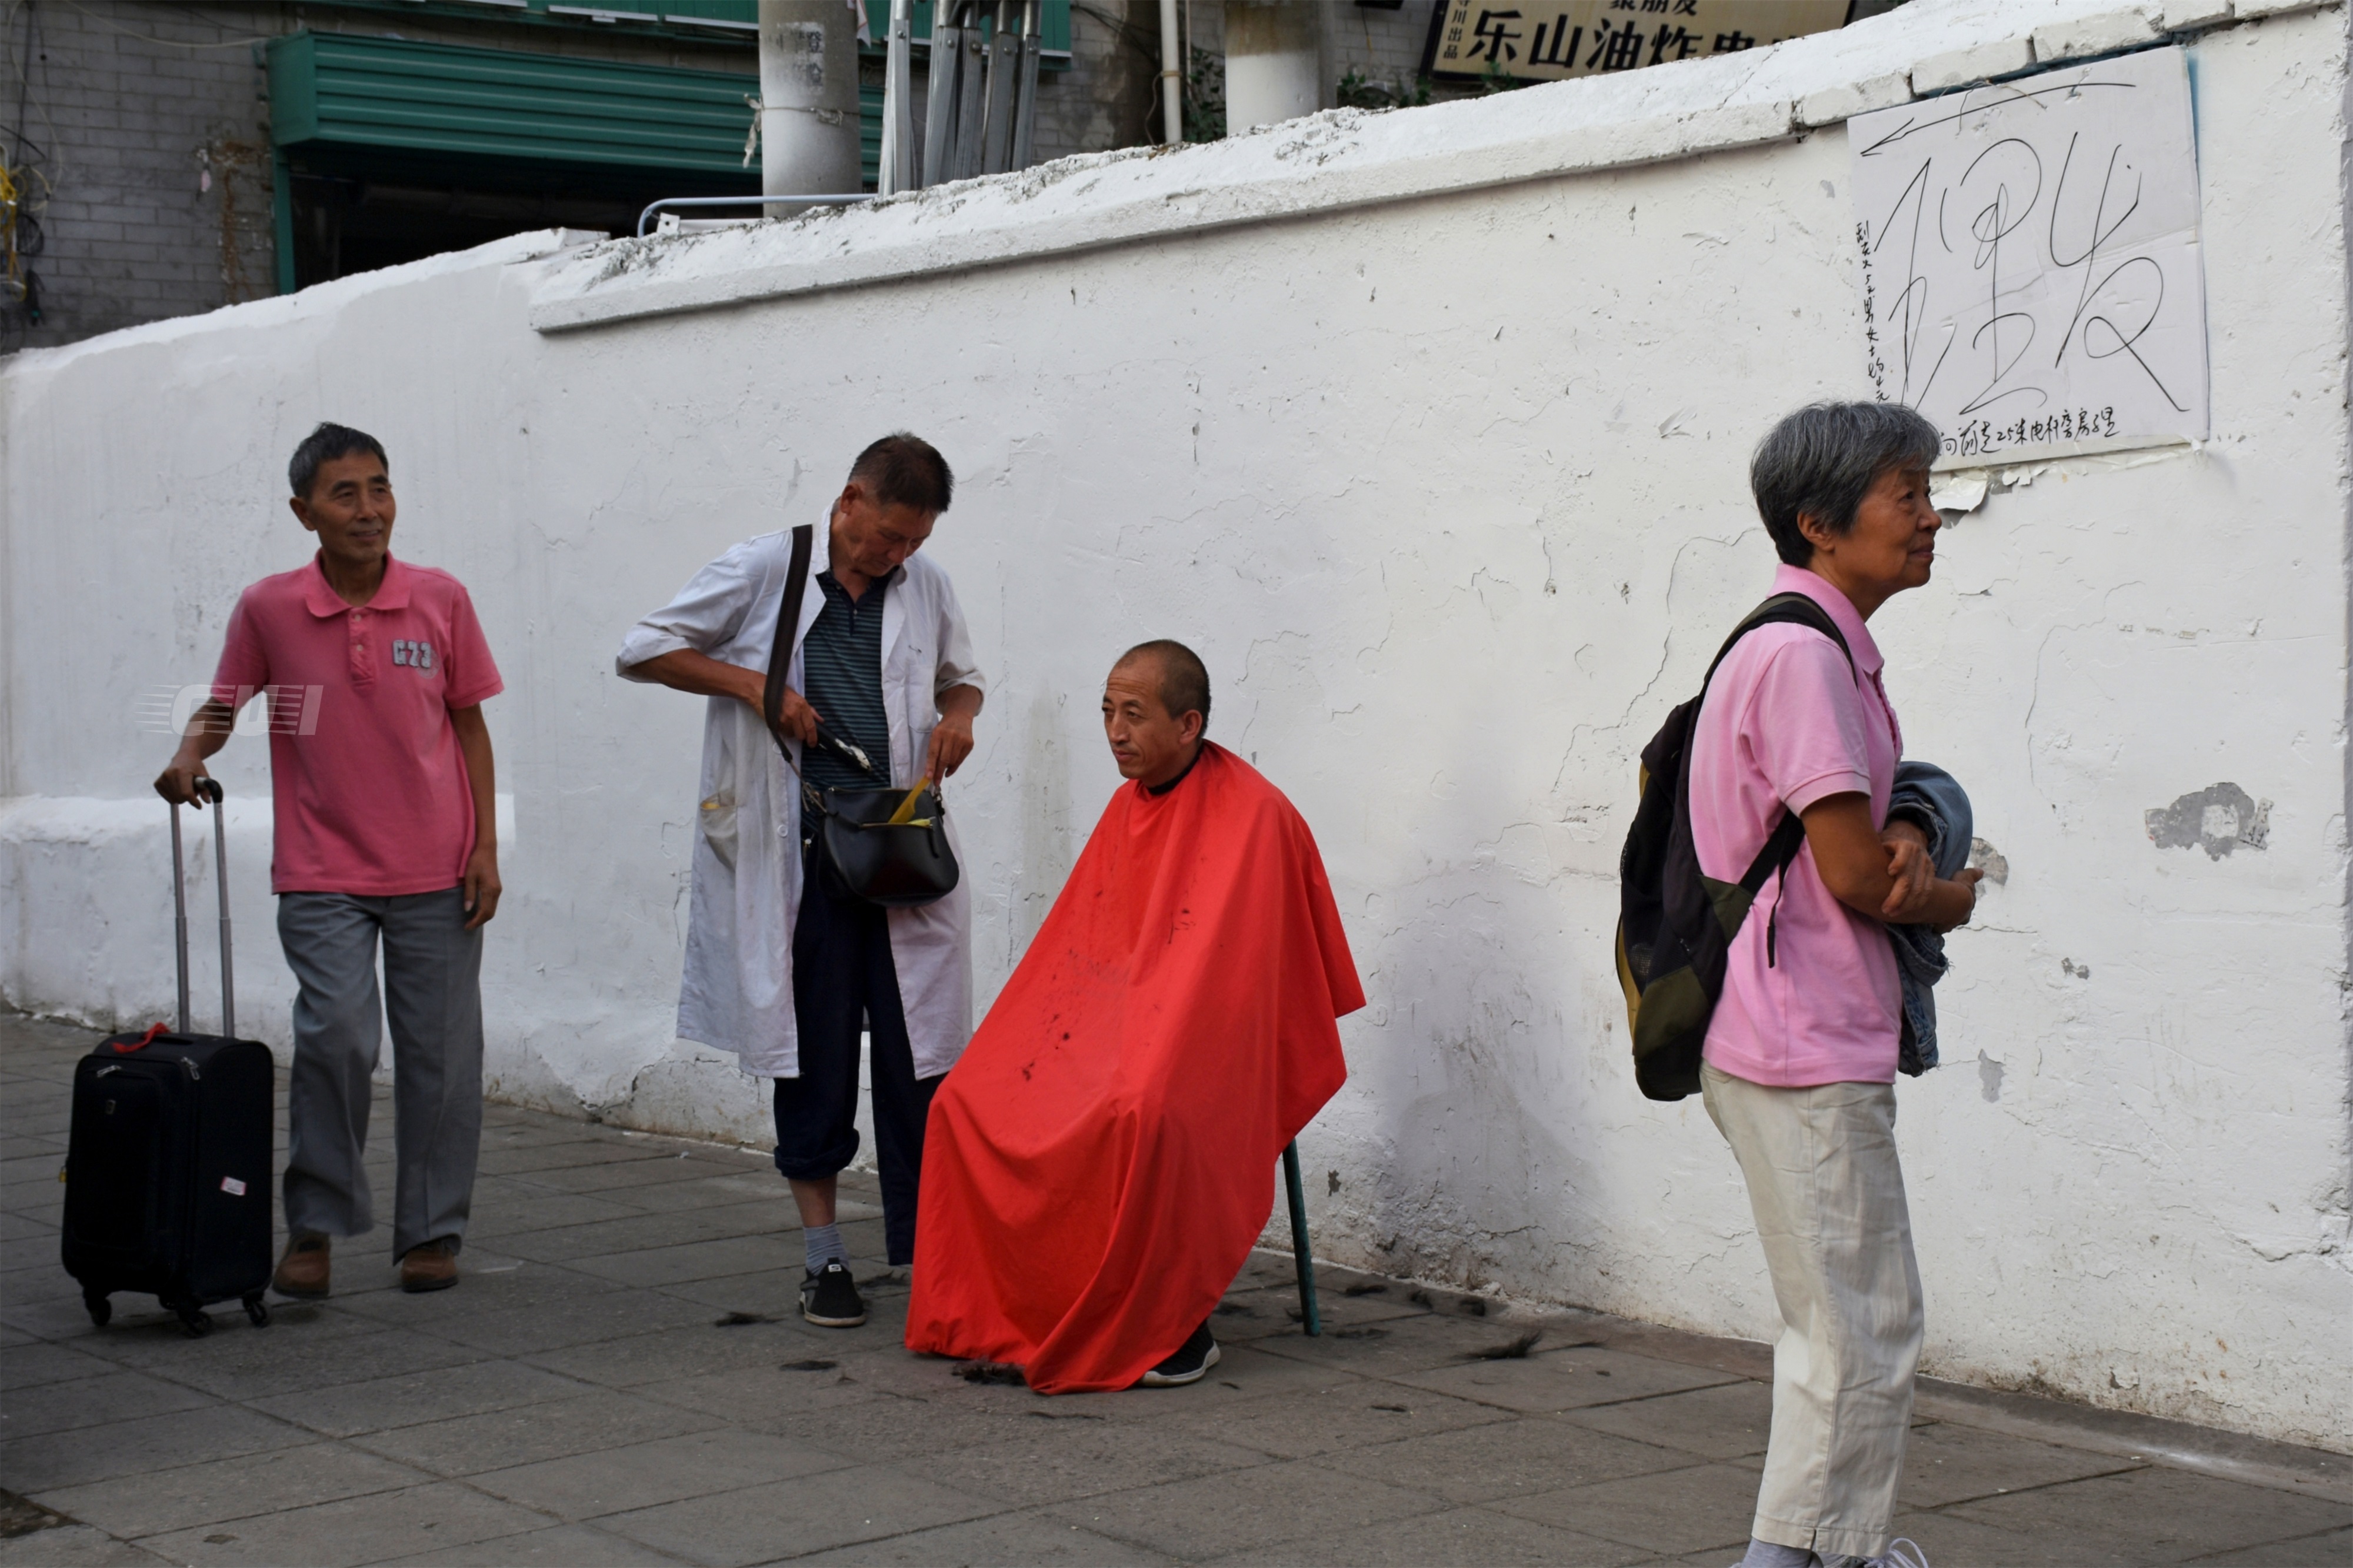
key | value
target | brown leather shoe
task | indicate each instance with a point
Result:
(303, 1270)
(430, 1266)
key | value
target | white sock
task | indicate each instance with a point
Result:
(823, 1243)
(1772, 1554)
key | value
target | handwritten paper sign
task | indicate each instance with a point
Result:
(2031, 275)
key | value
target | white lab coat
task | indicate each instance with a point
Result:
(737, 991)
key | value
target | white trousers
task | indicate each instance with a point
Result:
(1828, 1194)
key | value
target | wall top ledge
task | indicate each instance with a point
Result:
(1345, 159)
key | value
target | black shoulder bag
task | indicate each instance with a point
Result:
(889, 846)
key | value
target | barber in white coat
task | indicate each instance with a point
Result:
(785, 965)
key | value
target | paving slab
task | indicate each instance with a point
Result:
(2330, 1549)
(1945, 1463)
(657, 1266)
(1511, 1457)
(1667, 1513)
(352, 1531)
(35, 1465)
(667, 1470)
(487, 1280)
(1033, 1540)
(235, 1363)
(1360, 1412)
(758, 1524)
(74, 1546)
(559, 1546)
(1726, 1421)
(1047, 1460)
(542, 1210)
(693, 1347)
(581, 1319)
(2148, 1516)
(636, 1232)
(764, 1399)
(500, 1439)
(1454, 1538)
(404, 1401)
(40, 1363)
(1243, 1373)
(1950, 1541)
(600, 1178)
(210, 1492)
(577, 1151)
(1262, 1507)
(1565, 1380)
(739, 1185)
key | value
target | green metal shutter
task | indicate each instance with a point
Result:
(870, 136)
(393, 94)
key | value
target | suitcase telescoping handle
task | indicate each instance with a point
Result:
(211, 790)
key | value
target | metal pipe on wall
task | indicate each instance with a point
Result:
(964, 161)
(897, 169)
(1025, 108)
(1003, 64)
(940, 96)
(1172, 77)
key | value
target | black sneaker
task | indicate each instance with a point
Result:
(830, 1297)
(1189, 1364)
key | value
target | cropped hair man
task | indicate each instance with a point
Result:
(374, 671)
(1100, 1160)
(785, 964)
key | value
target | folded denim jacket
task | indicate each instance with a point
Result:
(1933, 799)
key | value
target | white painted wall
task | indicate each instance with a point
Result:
(1445, 479)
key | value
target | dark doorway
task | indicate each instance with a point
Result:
(353, 212)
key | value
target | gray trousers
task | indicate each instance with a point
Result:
(433, 998)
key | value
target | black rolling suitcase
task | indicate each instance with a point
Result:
(168, 1169)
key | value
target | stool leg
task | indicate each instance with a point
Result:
(1310, 1319)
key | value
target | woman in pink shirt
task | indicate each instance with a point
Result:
(1799, 1067)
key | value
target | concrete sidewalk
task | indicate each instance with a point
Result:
(620, 1378)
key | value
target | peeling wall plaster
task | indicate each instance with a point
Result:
(2218, 820)
(1449, 493)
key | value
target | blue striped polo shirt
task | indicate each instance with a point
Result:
(841, 675)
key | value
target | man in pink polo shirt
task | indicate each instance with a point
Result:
(380, 766)
(1799, 1067)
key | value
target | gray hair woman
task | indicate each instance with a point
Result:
(1800, 1066)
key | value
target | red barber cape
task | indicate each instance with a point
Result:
(1100, 1163)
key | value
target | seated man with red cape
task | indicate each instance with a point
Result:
(1102, 1160)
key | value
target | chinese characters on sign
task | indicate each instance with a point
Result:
(2031, 277)
(1547, 40)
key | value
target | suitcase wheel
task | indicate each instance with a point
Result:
(256, 1311)
(100, 1306)
(192, 1322)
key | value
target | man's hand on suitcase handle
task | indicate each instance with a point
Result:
(181, 784)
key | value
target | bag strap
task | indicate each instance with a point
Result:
(788, 626)
(1788, 835)
(1796, 609)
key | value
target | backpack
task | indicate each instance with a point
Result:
(1675, 924)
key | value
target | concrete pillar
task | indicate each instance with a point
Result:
(1277, 64)
(808, 99)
